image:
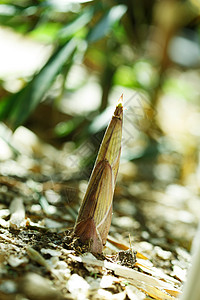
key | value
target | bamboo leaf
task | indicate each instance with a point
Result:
(18, 107)
(94, 218)
(104, 26)
(81, 21)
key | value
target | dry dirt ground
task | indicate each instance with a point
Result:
(39, 201)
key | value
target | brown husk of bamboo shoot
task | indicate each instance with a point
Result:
(94, 218)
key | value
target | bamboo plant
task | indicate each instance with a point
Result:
(94, 218)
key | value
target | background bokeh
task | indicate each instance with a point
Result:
(63, 66)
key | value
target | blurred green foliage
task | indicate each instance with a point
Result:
(122, 42)
(60, 23)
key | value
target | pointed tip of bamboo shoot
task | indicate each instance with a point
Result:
(120, 101)
(119, 108)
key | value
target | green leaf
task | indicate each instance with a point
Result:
(82, 20)
(104, 26)
(46, 32)
(19, 106)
